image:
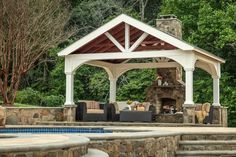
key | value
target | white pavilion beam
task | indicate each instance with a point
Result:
(138, 42)
(130, 55)
(147, 65)
(115, 42)
(100, 64)
(127, 37)
(133, 65)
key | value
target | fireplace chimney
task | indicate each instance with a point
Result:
(170, 24)
(169, 92)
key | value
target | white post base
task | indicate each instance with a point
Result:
(216, 104)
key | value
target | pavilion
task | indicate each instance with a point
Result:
(124, 38)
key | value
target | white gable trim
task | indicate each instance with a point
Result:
(139, 25)
(133, 22)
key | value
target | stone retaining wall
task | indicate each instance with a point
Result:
(69, 152)
(29, 116)
(145, 147)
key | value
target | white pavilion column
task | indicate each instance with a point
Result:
(189, 107)
(189, 86)
(112, 89)
(216, 91)
(69, 88)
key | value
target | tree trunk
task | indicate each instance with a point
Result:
(28, 29)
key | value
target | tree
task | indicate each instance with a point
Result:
(144, 10)
(28, 29)
(91, 14)
(142, 6)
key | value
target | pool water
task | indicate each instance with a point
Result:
(53, 130)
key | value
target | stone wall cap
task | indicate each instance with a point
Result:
(36, 107)
(131, 135)
(67, 142)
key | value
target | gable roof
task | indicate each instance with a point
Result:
(141, 26)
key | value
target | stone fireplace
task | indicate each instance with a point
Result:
(167, 91)
(169, 96)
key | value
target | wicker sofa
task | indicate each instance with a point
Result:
(115, 108)
(91, 111)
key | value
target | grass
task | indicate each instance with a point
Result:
(20, 105)
(23, 105)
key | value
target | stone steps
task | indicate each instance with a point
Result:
(208, 145)
(213, 153)
(220, 137)
(96, 153)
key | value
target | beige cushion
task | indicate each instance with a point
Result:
(95, 111)
(140, 108)
(92, 104)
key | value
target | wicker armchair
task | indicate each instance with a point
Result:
(91, 111)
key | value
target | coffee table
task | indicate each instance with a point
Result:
(135, 116)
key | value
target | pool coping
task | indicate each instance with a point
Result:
(72, 141)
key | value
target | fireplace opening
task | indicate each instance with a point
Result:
(168, 106)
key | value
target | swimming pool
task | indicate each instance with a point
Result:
(52, 130)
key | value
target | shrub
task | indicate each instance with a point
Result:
(52, 100)
(33, 97)
(29, 96)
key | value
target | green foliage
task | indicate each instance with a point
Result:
(228, 98)
(99, 86)
(52, 100)
(185, 10)
(29, 96)
(202, 87)
(91, 14)
(33, 97)
(133, 84)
